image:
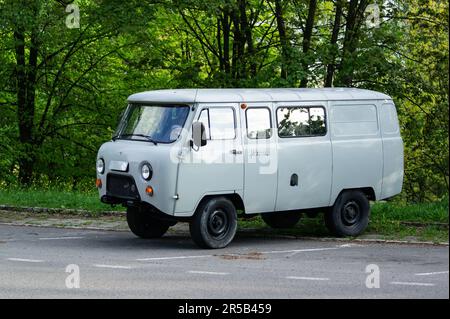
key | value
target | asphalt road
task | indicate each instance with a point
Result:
(34, 260)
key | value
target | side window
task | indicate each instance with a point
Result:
(301, 121)
(389, 120)
(317, 121)
(258, 123)
(219, 123)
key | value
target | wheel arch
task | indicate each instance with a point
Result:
(369, 192)
(235, 198)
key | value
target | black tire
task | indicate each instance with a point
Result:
(349, 216)
(281, 219)
(214, 223)
(143, 225)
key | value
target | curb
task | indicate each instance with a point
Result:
(71, 211)
(247, 233)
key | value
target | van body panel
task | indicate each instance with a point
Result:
(260, 171)
(212, 168)
(392, 151)
(310, 159)
(255, 95)
(356, 146)
(135, 153)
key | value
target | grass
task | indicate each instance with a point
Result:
(53, 198)
(389, 220)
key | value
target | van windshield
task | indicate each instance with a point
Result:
(154, 123)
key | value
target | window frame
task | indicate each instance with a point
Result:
(209, 121)
(125, 112)
(309, 116)
(270, 122)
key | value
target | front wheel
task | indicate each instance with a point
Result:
(349, 216)
(214, 223)
(143, 225)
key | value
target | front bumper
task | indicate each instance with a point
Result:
(120, 189)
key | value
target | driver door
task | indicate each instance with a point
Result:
(217, 167)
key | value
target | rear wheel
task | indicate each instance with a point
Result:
(281, 219)
(144, 225)
(214, 223)
(349, 216)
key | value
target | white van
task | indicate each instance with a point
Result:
(205, 156)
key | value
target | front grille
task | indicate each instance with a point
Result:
(121, 186)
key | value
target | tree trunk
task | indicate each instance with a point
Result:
(333, 43)
(26, 87)
(281, 27)
(238, 66)
(307, 40)
(354, 18)
(226, 41)
(247, 33)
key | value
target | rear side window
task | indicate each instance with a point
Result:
(354, 120)
(301, 121)
(219, 123)
(389, 120)
(258, 123)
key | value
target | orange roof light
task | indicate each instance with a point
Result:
(149, 190)
(243, 106)
(98, 183)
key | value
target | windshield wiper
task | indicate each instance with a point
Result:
(148, 138)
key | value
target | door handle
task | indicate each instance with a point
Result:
(235, 152)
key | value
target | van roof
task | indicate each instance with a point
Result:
(254, 95)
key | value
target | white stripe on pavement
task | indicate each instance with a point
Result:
(207, 272)
(56, 238)
(307, 278)
(113, 266)
(26, 260)
(239, 254)
(432, 273)
(173, 257)
(411, 283)
(298, 250)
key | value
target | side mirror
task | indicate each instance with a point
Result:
(198, 134)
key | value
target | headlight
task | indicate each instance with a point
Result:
(146, 171)
(100, 166)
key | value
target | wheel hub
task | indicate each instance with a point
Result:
(218, 223)
(350, 213)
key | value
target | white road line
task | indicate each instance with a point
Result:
(26, 260)
(432, 273)
(411, 283)
(207, 272)
(351, 245)
(307, 278)
(298, 250)
(113, 266)
(174, 257)
(56, 238)
(238, 254)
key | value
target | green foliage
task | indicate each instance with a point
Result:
(52, 124)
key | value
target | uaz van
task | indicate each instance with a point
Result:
(205, 156)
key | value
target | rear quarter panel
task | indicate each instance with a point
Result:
(356, 146)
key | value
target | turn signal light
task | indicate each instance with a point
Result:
(98, 183)
(149, 190)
